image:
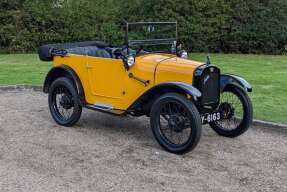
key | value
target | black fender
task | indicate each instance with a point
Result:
(184, 87)
(227, 79)
(144, 102)
(64, 71)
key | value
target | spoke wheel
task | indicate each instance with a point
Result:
(236, 110)
(176, 123)
(63, 105)
(63, 102)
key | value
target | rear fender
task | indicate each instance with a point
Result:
(64, 71)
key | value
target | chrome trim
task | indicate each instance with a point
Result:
(102, 106)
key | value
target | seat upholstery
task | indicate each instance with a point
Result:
(93, 51)
(47, 52)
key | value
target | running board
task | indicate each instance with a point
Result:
(106, 108)
(101, 106)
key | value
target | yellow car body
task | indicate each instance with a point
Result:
(106, 81)
(177, 93)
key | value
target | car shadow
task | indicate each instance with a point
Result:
(136, 127)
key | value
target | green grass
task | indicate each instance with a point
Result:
(22, 69)
(267, 74)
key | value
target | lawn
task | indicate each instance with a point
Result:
(22, 69)
(267, 74)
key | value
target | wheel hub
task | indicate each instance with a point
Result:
(66, 102)
(227, 110)
(176, 123)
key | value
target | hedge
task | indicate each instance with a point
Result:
(237, 26)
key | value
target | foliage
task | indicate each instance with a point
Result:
(257, 26)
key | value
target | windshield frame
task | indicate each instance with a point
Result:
(151, 42)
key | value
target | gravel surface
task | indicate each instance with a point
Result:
(107, 153)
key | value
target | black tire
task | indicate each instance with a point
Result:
(64, 90)
(176, 122)
(240, 125)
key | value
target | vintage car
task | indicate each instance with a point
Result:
(149, 75)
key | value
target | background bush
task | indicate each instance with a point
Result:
(257, 26)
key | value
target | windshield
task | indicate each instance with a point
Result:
(152, 36)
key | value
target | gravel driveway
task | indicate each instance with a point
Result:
(107, 153)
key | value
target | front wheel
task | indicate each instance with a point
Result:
(63, 103)
(175, 123)
(237, 111)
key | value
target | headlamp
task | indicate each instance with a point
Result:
(184, 54)
(130, 61)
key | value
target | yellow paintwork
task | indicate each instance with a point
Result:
(176, 69)
(105, 80)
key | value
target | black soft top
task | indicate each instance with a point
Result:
(47, 52)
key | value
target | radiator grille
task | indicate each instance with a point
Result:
(206, 80)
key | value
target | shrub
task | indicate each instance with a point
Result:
(218, 26)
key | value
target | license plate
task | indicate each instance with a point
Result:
(210, 117)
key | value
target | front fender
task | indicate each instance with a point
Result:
(227, 79)
(145, 101)
(188, 89)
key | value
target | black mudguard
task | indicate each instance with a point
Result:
(188, 89)
(145, 101)
(64, 71)
(227, 79)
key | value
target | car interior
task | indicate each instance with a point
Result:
(94, 51)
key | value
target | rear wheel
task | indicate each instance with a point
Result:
(175, 123)
(63, 103)
(237, 112)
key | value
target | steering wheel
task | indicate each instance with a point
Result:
(139, 50)
(125, 49)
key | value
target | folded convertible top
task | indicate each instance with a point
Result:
(46, 52)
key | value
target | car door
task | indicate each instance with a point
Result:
(106, 78)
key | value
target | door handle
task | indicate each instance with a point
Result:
(145, 82)
(88, 66)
